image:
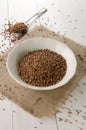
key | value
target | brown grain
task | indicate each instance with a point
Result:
(42, 68)
(18, 28)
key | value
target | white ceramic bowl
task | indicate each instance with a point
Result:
(41, 43)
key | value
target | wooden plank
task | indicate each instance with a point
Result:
(66, 17)
(24, 121)
(3, 20)
(3, 11)
(21, 11)
(5, 114)
(5, 104)
(72, 115)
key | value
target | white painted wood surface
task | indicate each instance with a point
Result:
(73, 112)
(67, 18)
(24, 121)
(5, 114)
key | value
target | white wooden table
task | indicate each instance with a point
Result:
(66, 17)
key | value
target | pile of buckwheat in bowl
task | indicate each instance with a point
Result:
(42, 68)
(41, 63)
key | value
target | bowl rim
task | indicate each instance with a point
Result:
(23, 84)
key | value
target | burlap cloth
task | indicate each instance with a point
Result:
(42, 103)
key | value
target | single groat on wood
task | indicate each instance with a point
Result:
(42, 68)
